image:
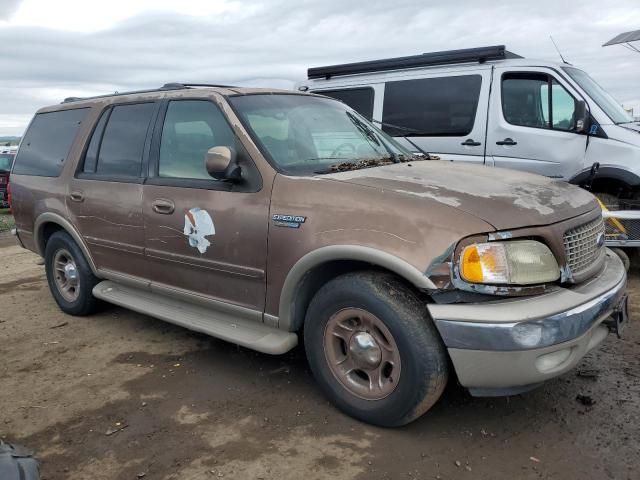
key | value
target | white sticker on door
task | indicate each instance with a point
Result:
(197, 226)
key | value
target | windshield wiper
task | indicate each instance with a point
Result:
(406, 136)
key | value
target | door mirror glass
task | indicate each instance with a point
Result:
(220, 163)
(582, 117)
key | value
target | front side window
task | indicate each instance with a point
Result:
(537, 100)
(443, 106)
(121, 147)
(191, 127)
(305, 134)
(48, 141)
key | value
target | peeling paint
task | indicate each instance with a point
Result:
(451, 201)
(500, 236)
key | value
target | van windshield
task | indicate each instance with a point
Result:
(304, 134)
(599, 95)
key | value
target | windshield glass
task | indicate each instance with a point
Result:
(599, 95)
(304, 134)
(5, 162)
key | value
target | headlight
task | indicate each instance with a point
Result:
(519, 262)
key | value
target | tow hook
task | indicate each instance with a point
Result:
(619, 317)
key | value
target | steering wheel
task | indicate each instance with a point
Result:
(344, 146)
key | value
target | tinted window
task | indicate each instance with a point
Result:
(191, 127)
(537, 100)
(120, 153)
(431, 106)
(47, 142)
(91, 157)
(360, 99)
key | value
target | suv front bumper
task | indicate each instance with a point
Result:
(512, 345)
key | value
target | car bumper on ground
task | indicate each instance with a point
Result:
(512, 345)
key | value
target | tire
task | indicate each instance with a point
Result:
(79, 299)
(623, 256)
(17, 463)
(411, 380)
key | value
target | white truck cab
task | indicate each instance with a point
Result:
(490, 106)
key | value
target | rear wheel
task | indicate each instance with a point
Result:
(374, 350)
(70, 278)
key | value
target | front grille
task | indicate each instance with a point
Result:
(583, 245)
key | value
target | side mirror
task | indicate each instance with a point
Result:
(582, 117)
(221, 164)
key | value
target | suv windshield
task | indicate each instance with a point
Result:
(6, 159)
(599, 95)
(305, 134)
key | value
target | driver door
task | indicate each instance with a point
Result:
(204, 238)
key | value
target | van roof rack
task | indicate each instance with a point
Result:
(447, 57)
(166, 86)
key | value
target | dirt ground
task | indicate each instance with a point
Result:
(123, 396)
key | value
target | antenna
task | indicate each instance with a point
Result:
(558, 50)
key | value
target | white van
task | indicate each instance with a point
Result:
(490, 106)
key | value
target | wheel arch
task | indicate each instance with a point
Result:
(47, 224)
(609, 179)
(319, 266)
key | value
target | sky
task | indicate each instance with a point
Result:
(52, 49)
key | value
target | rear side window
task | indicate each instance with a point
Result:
(360, 99)
(47, 142)
(431, 106)
(123, 160)
(122, 145)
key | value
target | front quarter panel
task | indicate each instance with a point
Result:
(394, 231)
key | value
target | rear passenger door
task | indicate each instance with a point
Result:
(443, 115)
(105, 197)
(206, 239)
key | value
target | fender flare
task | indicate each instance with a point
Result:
(49, 217)
(315, 258)
(614, 173)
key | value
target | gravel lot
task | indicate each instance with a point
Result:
(123, 396)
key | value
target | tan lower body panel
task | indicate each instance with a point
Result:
(495, 369)
(223, 325)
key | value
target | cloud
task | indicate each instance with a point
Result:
(273, 43)
(8, 8)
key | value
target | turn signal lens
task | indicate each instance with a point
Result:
(519, 262)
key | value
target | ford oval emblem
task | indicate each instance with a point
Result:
(600, 240)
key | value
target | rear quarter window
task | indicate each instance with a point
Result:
(46, 144)
(360, 99)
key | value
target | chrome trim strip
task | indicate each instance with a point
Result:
(557, 328)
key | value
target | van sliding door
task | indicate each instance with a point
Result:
(444, 114)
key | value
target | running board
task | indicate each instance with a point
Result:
(225, 326)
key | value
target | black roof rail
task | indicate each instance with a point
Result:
(447, 57)
(166, 86)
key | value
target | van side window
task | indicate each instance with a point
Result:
(191, 127)
(431, 106)
(360, 99)
(47, 142)
(537, 100)
(122, 146)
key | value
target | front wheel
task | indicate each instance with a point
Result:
(373, 348)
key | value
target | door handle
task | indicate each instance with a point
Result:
(507, 141)
(76, 196)
(162, 206)
(470, 142)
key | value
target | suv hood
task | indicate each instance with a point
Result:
(506, 199)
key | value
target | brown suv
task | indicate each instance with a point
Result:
(263, 216)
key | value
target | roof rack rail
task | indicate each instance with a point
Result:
(166, 86)
(447, 57)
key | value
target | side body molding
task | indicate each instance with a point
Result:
(48, 217)
(291, 289)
